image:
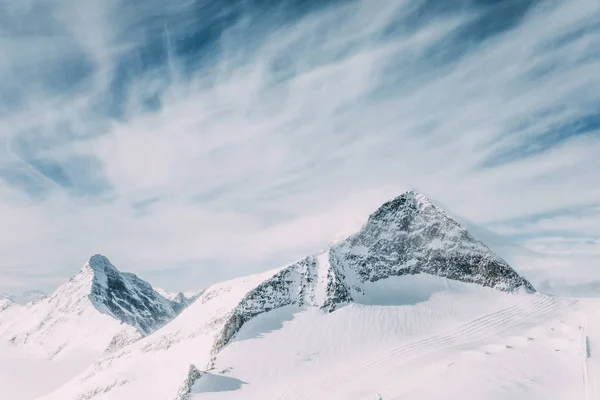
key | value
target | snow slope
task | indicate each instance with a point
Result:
(415, 336)
(24, 376)
(462, 342)
(156, 366)
(407, 237)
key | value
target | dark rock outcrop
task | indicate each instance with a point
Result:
(186, 388)
(410, 235)
(127, 298)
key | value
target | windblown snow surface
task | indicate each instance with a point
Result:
(413, 337)
(439, 340)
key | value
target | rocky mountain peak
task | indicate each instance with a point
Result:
(98, 290)
(126, 297)
(406, 202)
(100, 270)
(403, 209)
(100, 263)
(410, 235)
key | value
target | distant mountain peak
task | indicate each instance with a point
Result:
(99, 269)
(126, 297)
(25, 297)
(98, 290)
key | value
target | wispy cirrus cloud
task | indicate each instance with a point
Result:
(196, 136)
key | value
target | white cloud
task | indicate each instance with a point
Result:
(279, 145)
(579, 222)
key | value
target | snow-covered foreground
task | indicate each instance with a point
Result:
(410, 337)
(462, 339)
(25, 377)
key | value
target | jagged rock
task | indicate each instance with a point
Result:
(127, 298)
(309, 282)
(410, 235)
(186, 388)
(102, 390)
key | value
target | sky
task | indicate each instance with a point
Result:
(196, 141)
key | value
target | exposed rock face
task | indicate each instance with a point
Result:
(409, 235)
(181, 301)
(186, 388)
(127, 298)
(309, 282)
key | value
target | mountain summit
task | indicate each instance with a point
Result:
(126, 297)
(410, 235)
(99, 308)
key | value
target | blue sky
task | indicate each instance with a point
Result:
(194, 141)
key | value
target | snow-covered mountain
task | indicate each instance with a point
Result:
(24, 297)
(405, 237)
(99, 308)
(410, 235)
(5, 303)
(180, 300)
(127, 298)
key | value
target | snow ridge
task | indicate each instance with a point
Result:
(186, 387)
(312, 281)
